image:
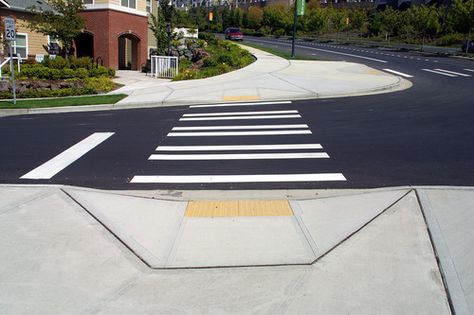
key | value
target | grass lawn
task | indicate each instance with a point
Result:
(279, 53)
(62, 101)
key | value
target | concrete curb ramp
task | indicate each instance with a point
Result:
(72, 250)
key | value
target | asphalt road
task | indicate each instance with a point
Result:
(420, 136)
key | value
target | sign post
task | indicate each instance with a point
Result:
(299, 10)
(10, 36)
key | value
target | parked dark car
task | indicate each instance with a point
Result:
(233, 33)
(471, 47)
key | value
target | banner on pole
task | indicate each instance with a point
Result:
(300, 5)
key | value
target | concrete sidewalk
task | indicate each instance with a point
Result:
(67, 250)
(269, 78)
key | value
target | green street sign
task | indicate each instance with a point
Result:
(300, 4)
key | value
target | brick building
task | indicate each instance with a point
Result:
(116, 32)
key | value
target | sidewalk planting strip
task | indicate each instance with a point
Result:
(64, 159)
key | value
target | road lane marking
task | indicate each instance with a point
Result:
(241, 117)
(67, 157)
(239, 147)
(398, 73)
(239, 133)
(438, 72)
(344, 54)
(452, 72)
(270, 112)
(245, 127)
(240, 104)
(249, 156)
(470, 70)
(259, 178)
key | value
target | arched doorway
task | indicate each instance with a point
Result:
(128, 49)
(84, 43)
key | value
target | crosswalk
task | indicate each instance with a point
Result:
(436, 71)
(200, 136)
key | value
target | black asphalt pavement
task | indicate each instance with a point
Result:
(420, 136)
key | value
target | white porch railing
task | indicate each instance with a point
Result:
(7, 60)
(164, 66)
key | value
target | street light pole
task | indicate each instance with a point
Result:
(295, 16)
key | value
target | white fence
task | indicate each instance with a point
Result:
(6, 61)
(164, 67)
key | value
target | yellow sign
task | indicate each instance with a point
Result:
(211, 16)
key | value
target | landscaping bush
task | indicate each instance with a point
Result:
(99, 84)
(82, 73)
(98, 72)
(56, 63)
(81, 62)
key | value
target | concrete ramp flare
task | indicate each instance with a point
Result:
(329, 221)
(231, 233)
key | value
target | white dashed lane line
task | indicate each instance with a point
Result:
(398, 73)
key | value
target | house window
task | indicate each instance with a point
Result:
(148, 6)
(20, 46)
(129, 3)
(88, 1)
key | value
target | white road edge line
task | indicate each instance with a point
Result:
(240, 104)
(241, 117)
(242, 127)
(268, 112)
(67, 157)
(438, 72)
(248, 156)
(344, 54)
(452, 72)
(470, 70)
(240, 147)
(315, 177)
(398, 73)
(239, 133)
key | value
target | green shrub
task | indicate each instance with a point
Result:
(55, 74)
(111, 72)
(82, 73)
(56, 63)
(99, 84)
(209, 62)
(68, 74)
(187, 74)
(450, 39)
(279, 32)
(99, 71)
(81, 62)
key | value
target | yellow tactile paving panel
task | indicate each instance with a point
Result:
(238, 208)
(241, 98)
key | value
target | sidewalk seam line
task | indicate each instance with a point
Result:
(107, 228)
(362, 227)
(431, 223)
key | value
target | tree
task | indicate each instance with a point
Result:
(157, 24)
(389, 19)
(255, 17)
(61, 22)
(425, 21)
(463, 12)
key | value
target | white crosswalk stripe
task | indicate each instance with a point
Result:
(242, 147)
(251, 156)
(202, 151)
(439, 72)
(239, 133)
(240, 104)
(455, 73)
(272, 112)
(245, 127)
(260, 178)
(240, 117)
